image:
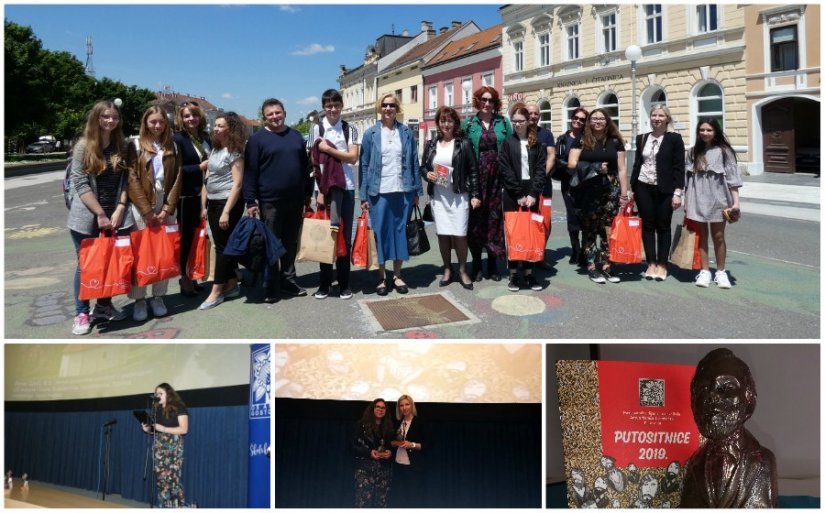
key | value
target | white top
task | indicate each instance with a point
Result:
(647, 174)
(335, 135)
(157, 165)
(391, 167)
(219, 178)
(444, 156)
(525, 160)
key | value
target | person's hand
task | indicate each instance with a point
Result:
(375, 454)
(253, 211)
(161, 216)
(145, 427)
(386, 454)
(365, 205)
(603, 168)
(324, 147)
(103, 222)
(475, 203)
(160, 429)
(203, 213)
(529, 201)
(319, 200)
(431, 176)
(676, 202)
(624, 199)
(117, 216)
(151, 219)
(223, 222)
(415, 201)
(308, 202)
(203, 166)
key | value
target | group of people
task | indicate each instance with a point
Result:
(476, 170)
(389, 462)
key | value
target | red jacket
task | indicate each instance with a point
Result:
(329, 172)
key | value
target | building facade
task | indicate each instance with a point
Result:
(692, 59)
(782, 86)
(454, 73)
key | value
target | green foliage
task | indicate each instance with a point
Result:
(49, 92)
(302, 126)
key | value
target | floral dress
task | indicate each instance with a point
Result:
(168, 454)
(372, 477)
(486, 223)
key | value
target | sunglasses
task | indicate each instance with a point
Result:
(580, 120)
(389, 105)
(486, 100)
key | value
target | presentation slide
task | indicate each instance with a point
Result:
(427, 371)
(53, 372)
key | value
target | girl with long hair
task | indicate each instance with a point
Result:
(221, 204)
(566, 141)
(373, 468)
(154, 187)
(171, 424)
(521, 166)
(712, 195)
(194, 145)
(99, 199)
(600, 165)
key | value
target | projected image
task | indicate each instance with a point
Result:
(461, 373)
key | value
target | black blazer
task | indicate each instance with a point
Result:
(416, 433)
(190, 171)
(670, 162)
(509, 168)
(465, 168)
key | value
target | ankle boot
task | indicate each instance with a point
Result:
(575, 248)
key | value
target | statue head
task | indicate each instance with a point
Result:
(722, 394)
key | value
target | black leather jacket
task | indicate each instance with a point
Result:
(465, 167)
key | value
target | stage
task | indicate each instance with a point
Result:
(44, 495)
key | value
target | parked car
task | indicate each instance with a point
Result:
(40, 147)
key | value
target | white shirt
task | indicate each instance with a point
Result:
(647, 174)
(525, 160)
(391, 167)
(335, 135)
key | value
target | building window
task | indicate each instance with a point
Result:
(784, 49)
(653, 23)
(658, 97)
(518, 55)
(572, 41)
(466, 94)
(448, 94)
(399, 95)
(706, 20)
(610, 103)
(414, 94)
(488, 79)
(544, 49)
(544, 114)
(609, 32)
(709, 103)
(433, 97)
(569, 106)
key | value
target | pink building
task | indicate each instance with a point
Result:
(454, 73)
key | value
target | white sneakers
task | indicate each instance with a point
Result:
(721, 279)
(158, 306)
(140, 312)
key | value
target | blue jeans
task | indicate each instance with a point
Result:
(82, 306)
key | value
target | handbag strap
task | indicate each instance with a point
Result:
(415, 213)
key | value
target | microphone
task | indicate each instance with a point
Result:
(111, 422)
(154, 397)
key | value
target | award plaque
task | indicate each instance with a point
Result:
(627, 432)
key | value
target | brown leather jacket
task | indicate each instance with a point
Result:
(141, 179)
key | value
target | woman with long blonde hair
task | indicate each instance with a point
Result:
(98, 195)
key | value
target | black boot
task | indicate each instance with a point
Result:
(575, 247)
(492, 268)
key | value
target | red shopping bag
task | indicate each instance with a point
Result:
(524, 233)
(697, 259)
(157, 253)
(199, 254)
(546, 209)
(105, 267)
(340, 242)
(360, 247)
(625, 242)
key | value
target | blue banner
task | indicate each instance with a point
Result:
(260, 404)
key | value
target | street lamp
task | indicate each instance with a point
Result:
(633, 53)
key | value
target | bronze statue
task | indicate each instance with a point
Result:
(731, 470)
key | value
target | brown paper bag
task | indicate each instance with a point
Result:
(372, 262)
(684, 245)
(317, 242)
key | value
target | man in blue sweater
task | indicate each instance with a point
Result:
(277, 185)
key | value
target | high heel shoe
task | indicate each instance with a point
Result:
(444, 282)
(467, 286)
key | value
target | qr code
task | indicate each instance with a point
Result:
(651, 392)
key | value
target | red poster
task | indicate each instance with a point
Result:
(645, 413)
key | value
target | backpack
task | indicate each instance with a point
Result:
(344, 127)
(67, 185)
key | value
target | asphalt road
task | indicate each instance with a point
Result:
(773, 260)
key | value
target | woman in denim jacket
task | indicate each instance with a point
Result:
(389, 186)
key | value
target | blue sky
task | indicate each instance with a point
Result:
(235, 56)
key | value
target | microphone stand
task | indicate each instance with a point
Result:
(150, 445)
(107, 432)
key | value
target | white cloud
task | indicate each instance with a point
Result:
(289, 8)
(313, 49)
(228, 96)
(309, 100)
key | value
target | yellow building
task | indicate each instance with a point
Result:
(782, 86)
(692, 59)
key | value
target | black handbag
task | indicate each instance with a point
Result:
(417, 241)
(428, 213)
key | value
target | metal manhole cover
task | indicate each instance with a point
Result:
(417, 311)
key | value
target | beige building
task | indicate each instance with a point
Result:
(782, 86)
(692, 59)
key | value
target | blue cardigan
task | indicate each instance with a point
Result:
(369, 164)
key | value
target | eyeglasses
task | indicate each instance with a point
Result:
(486, 100)
(598, 120)
(389, 105)
(186, 104)
(333, 106)
(519, 121)
(580, 120)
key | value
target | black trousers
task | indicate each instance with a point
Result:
(656, 211)
(284, 219)
(342, 264)
(189, 218)
(224, 265)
